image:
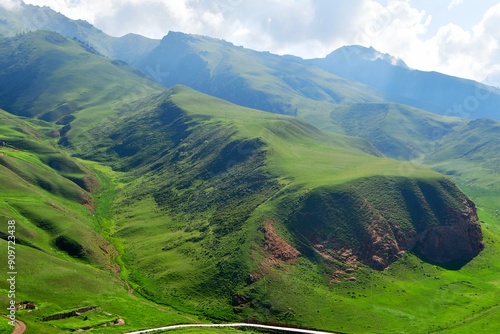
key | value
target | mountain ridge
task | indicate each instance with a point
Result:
(31, 18)
(244, 76)
(464, 98)
(432, 91)
(369, 54)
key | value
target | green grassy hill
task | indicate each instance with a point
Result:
(463, 149)
(63, 260)
(222, 212)
(228, 205)
(35, 66)
(399, 131)
(469, 154)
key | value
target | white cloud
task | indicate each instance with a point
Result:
(397, 29)
(401, 30)
(284, 26)
(86, 10)
(493, 78)
(472, 54)
(10, 4)
(397, 25)
(454, 3)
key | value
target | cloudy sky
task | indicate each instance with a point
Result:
(457, 37)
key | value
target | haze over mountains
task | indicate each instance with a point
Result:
(391, 79)
(32, 18)
(431, 91)
(220, 183)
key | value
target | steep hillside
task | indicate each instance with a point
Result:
(222, 195)
(62, 259)
(398, 131)
(43, 174)
(431, 91)
(35, 66)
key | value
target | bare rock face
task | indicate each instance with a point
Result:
(276, 248)
(377, 221)
(455, 243)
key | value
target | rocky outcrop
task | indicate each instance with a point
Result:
(454, 243)
(74, 313)
(277, 249)
(377, 220)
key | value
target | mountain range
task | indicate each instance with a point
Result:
(431, 91)
(192, 180)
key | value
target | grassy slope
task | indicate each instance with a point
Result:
(470, 154)
(398, 131)
(32, 87)
(463, 149)
(48, 206)
(180, 250)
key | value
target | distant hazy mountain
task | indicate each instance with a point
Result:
(280, 84)
(431, 91)
(32, 18)
(253, 79)
(367, 54)
(269, 82)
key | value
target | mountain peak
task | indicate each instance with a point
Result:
(176, 35)
(368, 54)
(185, 37)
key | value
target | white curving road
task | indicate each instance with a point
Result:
(277, 328)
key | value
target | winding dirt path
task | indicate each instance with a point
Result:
(19, 328)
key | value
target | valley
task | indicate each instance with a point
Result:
(230, 185)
